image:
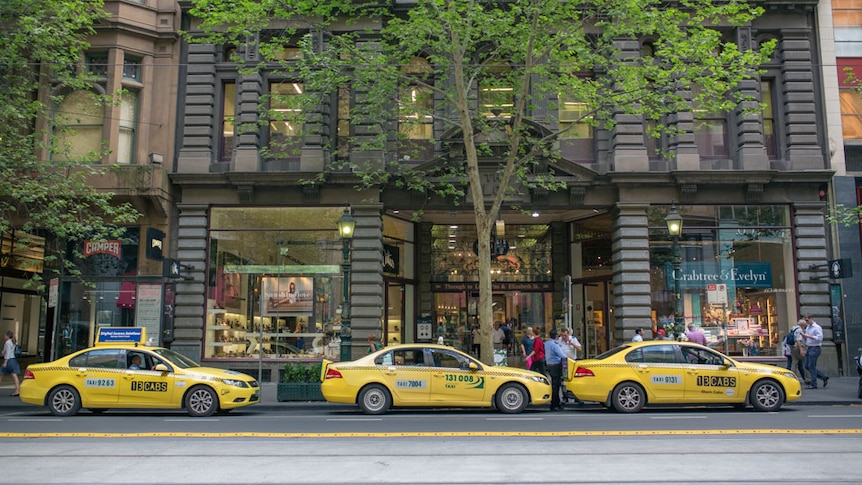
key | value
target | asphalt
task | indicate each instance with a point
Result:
(840, 391)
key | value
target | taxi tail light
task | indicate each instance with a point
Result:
(583, 372)
(333, 374)
(28, 374)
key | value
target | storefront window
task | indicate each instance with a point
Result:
(735, 275)
(521, 273)
(274, 283)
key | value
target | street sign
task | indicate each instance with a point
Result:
(716, 294)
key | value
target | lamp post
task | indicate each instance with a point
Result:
(346, 225)
(674, 228)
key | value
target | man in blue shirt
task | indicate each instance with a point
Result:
(554, 356)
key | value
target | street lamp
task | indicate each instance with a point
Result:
(674, 228)
(345, 225)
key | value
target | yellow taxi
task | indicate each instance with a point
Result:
(637, 374)
(121, 372)
(428, 375)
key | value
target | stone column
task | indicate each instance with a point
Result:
(631, 270)
(811, 251)
(682, 144)
(366, 276)
(249, 89)
(190, 310)
(198, 123)
(802, 148)
(628, 152)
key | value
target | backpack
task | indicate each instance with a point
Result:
(17, 351)
(790, 339)
(507, 335)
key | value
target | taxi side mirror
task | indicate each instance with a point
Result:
(161, 368)
(726, 364)
(473, 366)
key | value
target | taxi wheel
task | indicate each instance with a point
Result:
(201, 401)
(767, 396)
(64, 401)
(511, 399)
(374, 399)
(628, 397)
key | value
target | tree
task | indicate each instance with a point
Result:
(514, 56)
(43, 189)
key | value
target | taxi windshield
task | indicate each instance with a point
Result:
(176, 359)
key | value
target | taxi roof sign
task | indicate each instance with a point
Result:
(122, 335)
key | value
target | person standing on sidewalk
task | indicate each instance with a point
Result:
(10, 363)
(554, 356)
(527, 347)
(797, 350)
(538, 353)
(813, 334)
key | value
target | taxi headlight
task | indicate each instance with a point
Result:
(790, 375)
(539, 379)
(235, 382)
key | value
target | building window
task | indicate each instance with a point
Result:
(577, 141)
(710, 131)
(851, 113)
(769, 139)
(343, 128)
(285, 125)
(78, 128)
(497, 91)
(416, 107)
(132, 69)
(228, 112)
(97, 66)
(128, 122)
(847, 18)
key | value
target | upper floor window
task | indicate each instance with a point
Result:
(496, 91)
(227, 116)
(343, 128)
(97, 66)
(78, 123)
(847, 18)
(851, 113)
(710, 131)
(415, 110)
(577, 141)
(285, 125)
(132, 69)
(128, 125)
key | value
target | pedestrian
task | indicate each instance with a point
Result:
(507, 336)
(798, 350)
(813, 335)
(554, 357)
(10, 363)
(660, 335)
(373, 344)
(497, 336)
(639, 335)
(538, 354)
(571, 346)
(476, 346)
(527, 347)
(695, 335)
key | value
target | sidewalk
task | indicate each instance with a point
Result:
(841, 390)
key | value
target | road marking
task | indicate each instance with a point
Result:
(514, 419)
(354, 419)
(443, 434)
(38, 420)
(679, 416)
(191, 420)
(835, 416)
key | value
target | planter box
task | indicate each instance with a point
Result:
(299, 391)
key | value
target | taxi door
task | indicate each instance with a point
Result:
(707, 379)
(659, 371)
(96, 375)
(406, 375)
(145, 387)
(453, 382)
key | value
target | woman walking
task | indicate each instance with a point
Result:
(10, 363)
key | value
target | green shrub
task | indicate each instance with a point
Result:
(301, 372)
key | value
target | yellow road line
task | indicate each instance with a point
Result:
(452, 434)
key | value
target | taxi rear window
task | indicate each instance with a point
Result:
(611, 352)
(100, 358)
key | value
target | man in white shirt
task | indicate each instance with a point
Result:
(639, 335)
(497, 336)
(570, 346)
(813, 335)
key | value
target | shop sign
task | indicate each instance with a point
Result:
(111, 247)
(148, 308)
(391, 259)
(754, 274)
(716, 294)
(537, 286)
